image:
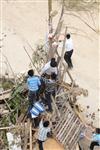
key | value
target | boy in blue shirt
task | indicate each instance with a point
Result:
(33, 83)
(96, 139)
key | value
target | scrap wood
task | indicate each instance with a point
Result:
(53, 100)
(75, 91)
(20, 118)
(12, 127)
(26, 135)
(5, 92)
(30, 136)
(7, 105)
(79, 115)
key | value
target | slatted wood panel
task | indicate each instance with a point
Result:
(68, 126)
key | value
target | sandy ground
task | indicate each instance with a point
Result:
(25, 22)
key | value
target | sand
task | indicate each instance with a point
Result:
(26, 22)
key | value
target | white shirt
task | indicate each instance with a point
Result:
(69, 44)
(42, 133)
(48, 69)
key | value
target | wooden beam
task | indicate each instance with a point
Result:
(11, 127)
(30, 136)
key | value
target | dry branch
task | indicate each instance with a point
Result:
(30, 136)
(30, 59)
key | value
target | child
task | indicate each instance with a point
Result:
(69, 51)
(50, 67)
(44, 129)
(50, 90)
(33, 83)
(96, 139)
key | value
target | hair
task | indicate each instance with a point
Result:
(98, 130)
(68, 36)
(46, 124)
(53, 62)
(53, 76)
(31, 72)
(53, 59)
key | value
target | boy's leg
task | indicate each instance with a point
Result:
(67, 58)
(70, 61)
(48, 99)
(40, 145)
(93, 144)
(31, 97)
(37, 96)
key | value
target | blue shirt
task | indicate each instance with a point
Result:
(33, 83)
(96, 137)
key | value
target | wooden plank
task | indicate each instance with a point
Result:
(75, 140)
(61, 121)
(4, 96)
(11, 127)
(7, 105)
(20, 118)
(5, 92)
(53, 100)
(69, 131)
(64, 126)
(73, 136)
(72, 133)
(30, 136)
(26, 135)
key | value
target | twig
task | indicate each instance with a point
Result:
(30, 59)
(7, 105)
(10, 67)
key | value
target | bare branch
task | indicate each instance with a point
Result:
(30, 59)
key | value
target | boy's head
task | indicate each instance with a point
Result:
(31, 72)
(53, 62)
(46, 124)
(98, 130)
(53, 76)
(68, 36)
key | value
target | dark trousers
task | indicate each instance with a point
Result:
(33, 97)
(79, 147)
(67, 58)
(94, 143)
(40, 145)
(49, 99)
